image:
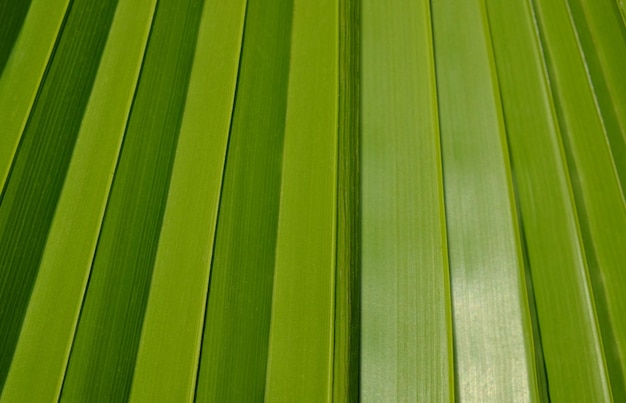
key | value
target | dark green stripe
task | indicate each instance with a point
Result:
(34, 184)
(348, 280)
(236, 335)
(103, 355)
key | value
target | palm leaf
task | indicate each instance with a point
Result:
(66, 261)
(310, 200)
(493, 336)
(122, 266)
(242, 272)
(169, 350)
(406, 325)
(22, 70)
(570, 337)
(37, 173)
(600, 202)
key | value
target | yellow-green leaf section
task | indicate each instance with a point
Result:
(169, 350)
(301, 349)
(493, 344)
(570, 336)
(406, 333)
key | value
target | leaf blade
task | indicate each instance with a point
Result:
(494, 353)
(169, 349)
(406, 315)
(304, 274)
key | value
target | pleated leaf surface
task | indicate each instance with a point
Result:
(312, 201)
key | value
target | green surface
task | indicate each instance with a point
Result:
(236, 327)
(103, 357)
(602, 40)
(23, 72)
(570, 337)
(493, 344)
(599, 200)
(348, 262)
(312, 200)
(301, 349)
(57, 295)
(621, 4)
(169, 350)
(34, 185)
(13, 14)
(406, 336)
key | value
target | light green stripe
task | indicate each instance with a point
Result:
(600, 203)
(602, 38)
(169, 350)
(300, 362)
(494, 356)
(23, 73)
(406, 325)
(54, 306)
(571, 341)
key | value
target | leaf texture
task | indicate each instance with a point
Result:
(493, 344)
(305, 200)
(121, 271)
(34, 185)
(300, 356)
(406, 352)
(600, 203)
(237, 322)
(348, 262)
(65, 265)
(169, 350)
(569, 334)
(23, 69)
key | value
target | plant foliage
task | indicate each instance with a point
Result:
(312, 200)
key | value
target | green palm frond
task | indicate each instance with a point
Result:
(312, 201)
